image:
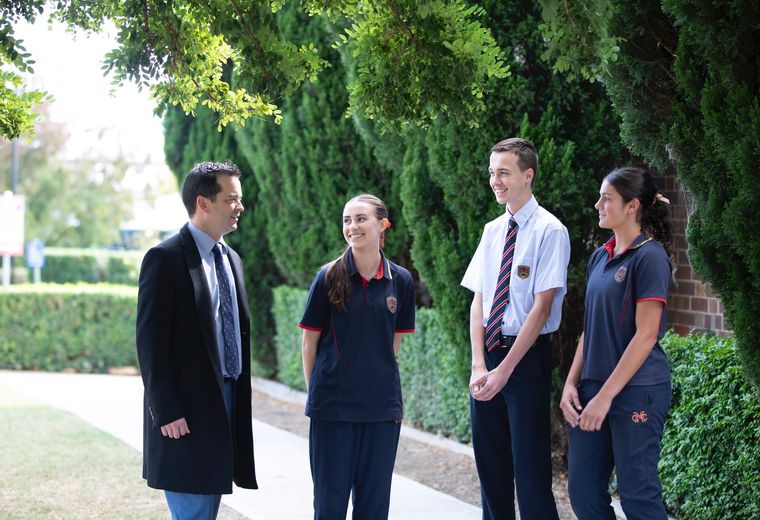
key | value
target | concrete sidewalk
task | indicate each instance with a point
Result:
(114, 405)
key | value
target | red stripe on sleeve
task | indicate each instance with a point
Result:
(404, 331)
(306, 327)
(652, 299)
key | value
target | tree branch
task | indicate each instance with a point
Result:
(267, 76)
(405, 27)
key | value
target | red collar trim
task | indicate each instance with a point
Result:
(635, 243)
(610, 247)
(383, 270)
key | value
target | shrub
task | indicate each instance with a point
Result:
(51, 327)
(434, 389)
(70, 265)
(712, 437)
(288, 308)
(711, 447)
(123, 270)
(433, 386)
(71, 268)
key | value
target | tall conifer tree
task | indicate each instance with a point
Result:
(310, 165)
(189, 140)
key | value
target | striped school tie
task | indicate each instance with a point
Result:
(501, 295)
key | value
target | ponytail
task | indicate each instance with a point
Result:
(338, 281)
(655, 222)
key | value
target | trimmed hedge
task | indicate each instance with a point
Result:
(433, 384)
(71, 265)
(435, 394)
(51, 327)
(287, 308)
(710, 465)
(711, 447)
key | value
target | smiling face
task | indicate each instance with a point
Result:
(614, 212)
(510, 184)
(361, 227)
(219, 215)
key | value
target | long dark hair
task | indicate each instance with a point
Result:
(337, 276)
(653, 215)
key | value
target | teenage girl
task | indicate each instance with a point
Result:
(359, 307)
(617, 394)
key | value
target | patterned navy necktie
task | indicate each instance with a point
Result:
(231, 358)
(501, 295)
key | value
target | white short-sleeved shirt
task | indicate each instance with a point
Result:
(542, 253)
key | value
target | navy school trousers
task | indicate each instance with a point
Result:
(629, 441)
(511, 437)
(355, 458)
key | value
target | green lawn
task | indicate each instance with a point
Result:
(53, 465)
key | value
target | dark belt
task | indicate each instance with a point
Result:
(228, 379)
(507, 341)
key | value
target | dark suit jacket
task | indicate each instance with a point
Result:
(179, 362)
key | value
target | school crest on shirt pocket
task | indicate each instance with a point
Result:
(523, 271)
(620, 274)
(392, 303)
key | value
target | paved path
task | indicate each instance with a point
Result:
(114, 404)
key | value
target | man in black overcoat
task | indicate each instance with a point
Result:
(193, 346)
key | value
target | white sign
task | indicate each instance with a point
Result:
(11, 224)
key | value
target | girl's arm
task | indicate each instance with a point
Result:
(570, 403)
(397, 337)
(309, 352)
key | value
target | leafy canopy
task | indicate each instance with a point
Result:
(414, 60)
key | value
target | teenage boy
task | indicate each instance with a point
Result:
(518, 275)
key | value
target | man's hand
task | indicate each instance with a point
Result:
(488, 384)
(570, 404)
(175, 429)
(593, 415)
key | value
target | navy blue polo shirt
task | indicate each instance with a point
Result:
(616, 283)
(355, 375)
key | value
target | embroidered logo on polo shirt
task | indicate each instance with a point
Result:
(391, 302)
(523, 271)
(620, 274)
(639, 417)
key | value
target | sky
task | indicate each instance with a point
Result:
(69, 67)
(101, 119)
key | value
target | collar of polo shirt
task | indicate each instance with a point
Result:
(383, 270)
(637, 243)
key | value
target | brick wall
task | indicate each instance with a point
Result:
(692, 305)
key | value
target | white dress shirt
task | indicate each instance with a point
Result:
(542, 253)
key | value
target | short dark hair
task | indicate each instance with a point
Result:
(527, 157)
(202, 180)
